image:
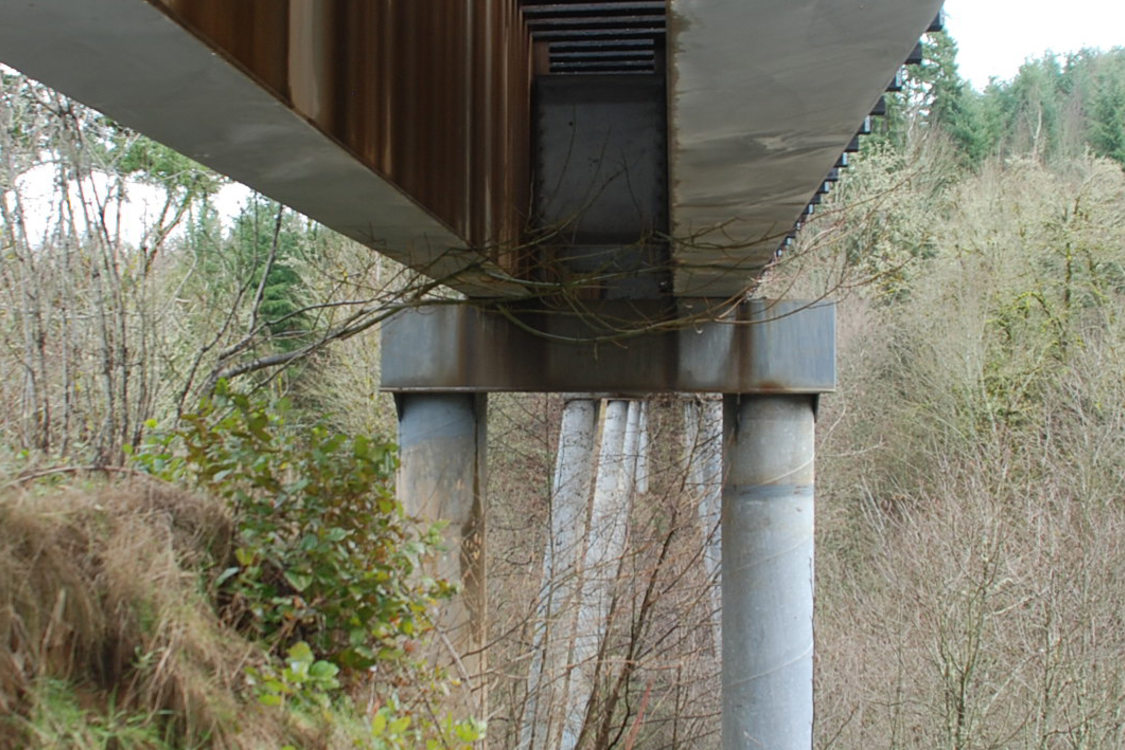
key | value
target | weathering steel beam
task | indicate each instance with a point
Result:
(632, 67)
(532, 9)
(405, 126)
(597, 44)
(536, 24)
(579, 34)
(622, 54)
(400, 125)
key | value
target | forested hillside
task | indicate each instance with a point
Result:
(972, 507)
(971, 500)
(1056, 107)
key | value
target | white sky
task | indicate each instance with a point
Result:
(994, 37)
(41, 198)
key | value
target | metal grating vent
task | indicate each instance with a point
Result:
(584, 37)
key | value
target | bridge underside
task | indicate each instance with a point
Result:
(409, 126)
(764, 97)
(606, 180)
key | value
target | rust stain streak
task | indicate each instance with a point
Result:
(434, 96)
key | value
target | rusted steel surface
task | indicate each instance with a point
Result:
(432, 95)
(133, 61)
(254, 32)
(600, 184)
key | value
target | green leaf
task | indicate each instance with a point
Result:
(323, 670)
(300, 653)
(299, 581)
(469, 731)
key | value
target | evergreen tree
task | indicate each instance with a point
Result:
(1106, 133)
(1053, 108)
(269, 241)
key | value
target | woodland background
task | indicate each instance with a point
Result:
(971, 513)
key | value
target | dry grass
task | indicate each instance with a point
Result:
(102, 590)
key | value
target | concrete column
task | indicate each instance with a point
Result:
(442, 448)
(767, 572)
(605, 535)
(703, 463)
(644, 446)
(557, 613)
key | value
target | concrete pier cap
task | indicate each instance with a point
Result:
(624, 347)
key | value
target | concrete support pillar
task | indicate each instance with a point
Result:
(442, 448)
(779, 355)
(767, 572)
(557, 613)
(644, 446)
(703, 463)
(605, 536)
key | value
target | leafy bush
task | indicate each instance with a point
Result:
(325, 554)
(326, 569)
(135, 614)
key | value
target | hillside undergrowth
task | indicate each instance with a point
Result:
(259, 587)
(972, 505)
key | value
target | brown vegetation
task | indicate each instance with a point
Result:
(99, 588)
(110, 636)
(972, 519)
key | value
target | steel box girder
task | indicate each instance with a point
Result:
(291, 98)
(763, 97)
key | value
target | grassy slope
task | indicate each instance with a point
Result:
(108, 636)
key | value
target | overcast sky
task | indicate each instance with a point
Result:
(994, 37)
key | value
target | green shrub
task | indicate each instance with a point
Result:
(326, 570)
(325, 553)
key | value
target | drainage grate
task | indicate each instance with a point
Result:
(584, 37)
